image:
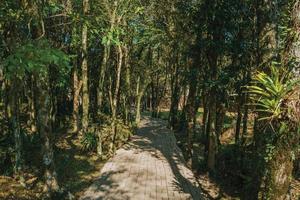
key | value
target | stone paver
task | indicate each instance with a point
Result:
(150, 167)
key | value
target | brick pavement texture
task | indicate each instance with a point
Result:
(149, 167)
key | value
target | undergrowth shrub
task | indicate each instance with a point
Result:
(102, 131)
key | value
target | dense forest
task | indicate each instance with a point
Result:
(78, 76)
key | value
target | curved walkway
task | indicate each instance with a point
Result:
(150, 167)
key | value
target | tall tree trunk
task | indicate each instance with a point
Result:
(191, 107)
(77, 84)
(106, 55)
(239, 117)
(100, 89)
(205, 111)
(16, 128)
(44, 108)
(175, 97)
(279, 169)
(100, 92)
(138, 102)
(116, 96)
(212, 137)
(127, 86)
(220, 116)
(246, 107)
(138, 109)
(84, 66)
(140, 90)
(191, 113)
(44, 113)
(31, 104)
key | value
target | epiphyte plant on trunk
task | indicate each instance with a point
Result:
(275, 97)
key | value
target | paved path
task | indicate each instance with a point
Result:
(150, 167)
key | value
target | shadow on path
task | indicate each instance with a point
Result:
(151, 166)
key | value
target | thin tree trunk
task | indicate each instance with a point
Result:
(245, 117)
(140, 91)
(138, 102)
(212, 137)
(190, 107)
(31, 104)
(205, 112)
(128, 85)
(175, 97)
(115, 97)
(238, 121)
(77, 84)
(138, 109)
(221, 112)
(84, 66)
(106, 56)
(15, 122)
(100, 88)
(45, 128)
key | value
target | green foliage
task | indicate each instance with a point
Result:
(36, 57)
(89, 141)
(113, 37)
(269, 152)
(272, 92)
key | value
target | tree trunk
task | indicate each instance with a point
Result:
(279, 168)
(246, 110)
(84, 66)
(45, 129)
(138, 109)
(116, 97)
(77, 84)
(106, 56)
(100, 88)
(138, 102)
(238, 121)
(279, 172)
(128, 95)
(212, 137)
(140, 90)
(191, 108)
(220, 116)
(175, 97)
(31, 105)
(205, 112)
(15, 122)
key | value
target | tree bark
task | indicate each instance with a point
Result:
(16, 128)
(100, 89)
(212, 119)
(84, 66)
(115, 96)
(279, 171)
(44, 108)
(128, 95)
(175, 97)
(77, 84)
(239, 118)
